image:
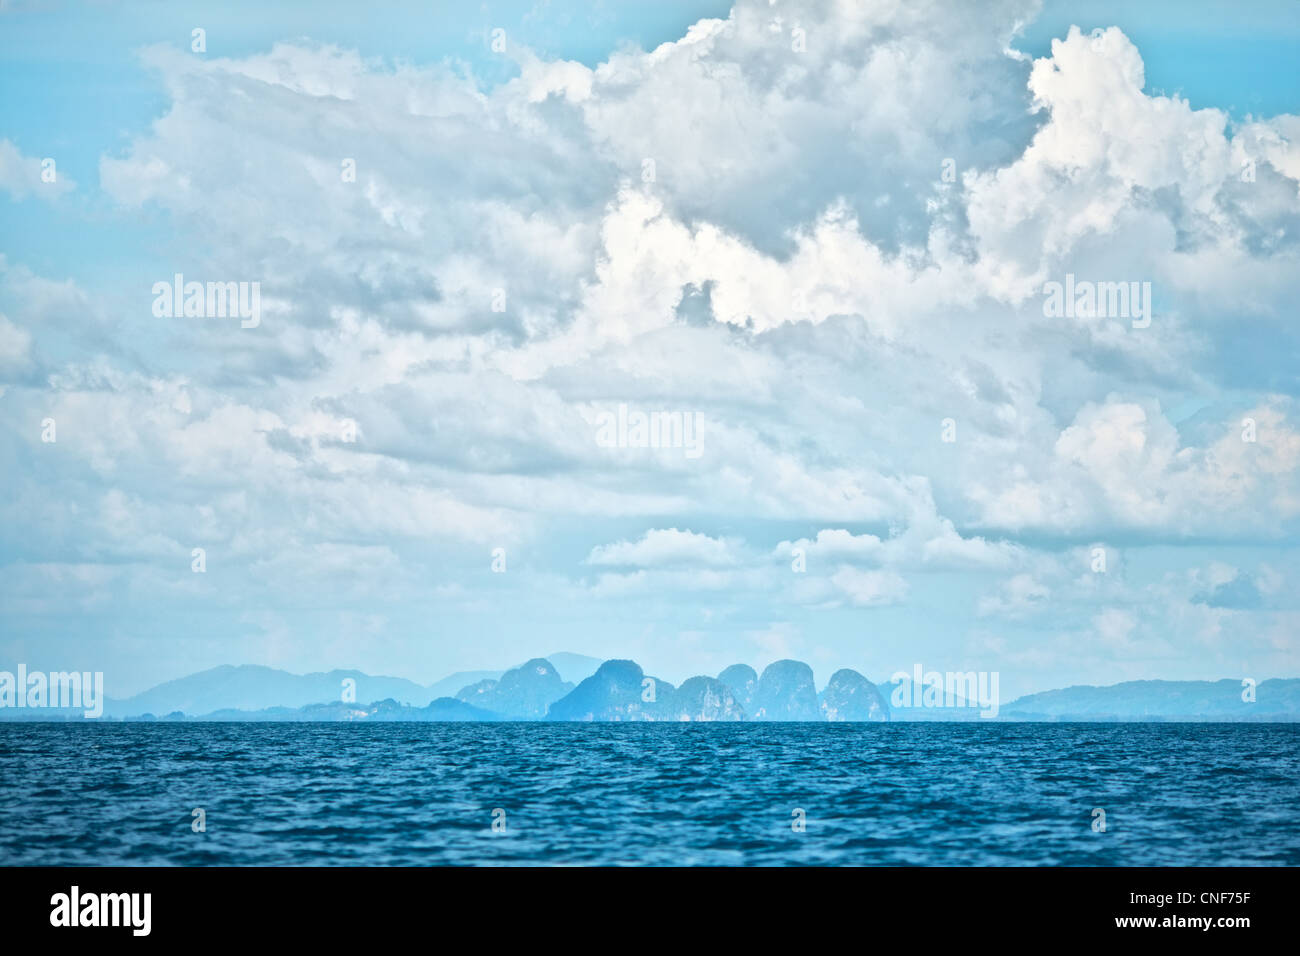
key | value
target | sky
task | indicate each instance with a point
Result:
(823, 235)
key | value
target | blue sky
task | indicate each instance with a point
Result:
(793, 268)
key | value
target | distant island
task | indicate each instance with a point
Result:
(572, 687)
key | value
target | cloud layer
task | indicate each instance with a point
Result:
(820, 230)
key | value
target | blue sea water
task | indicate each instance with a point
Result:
(660, 794)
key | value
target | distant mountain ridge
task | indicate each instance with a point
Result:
(851, 697)
(618, 690)
(786, 691)
(440, 710)
(524, 693)
(253, 687)
(1161, 699)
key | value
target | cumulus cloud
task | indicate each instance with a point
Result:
(15, 344)
(1019, 596)
(667, 547)
(1122, 464)
(870, 588)
(927, 541)
(22, 176)
(750, 224)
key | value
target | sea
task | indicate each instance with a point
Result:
(650, 794)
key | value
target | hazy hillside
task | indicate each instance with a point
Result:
(523, 693)
(252, 687)
(452, 684)
(574, 668)
(617, 690)
(1162, 699)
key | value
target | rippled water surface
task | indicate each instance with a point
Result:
(957, 794)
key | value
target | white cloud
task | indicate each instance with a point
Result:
(15, 343)
(22, 176)
(870, 588)
(796, 273)
(1123, 464)
(1019, 596)
(667, 547)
